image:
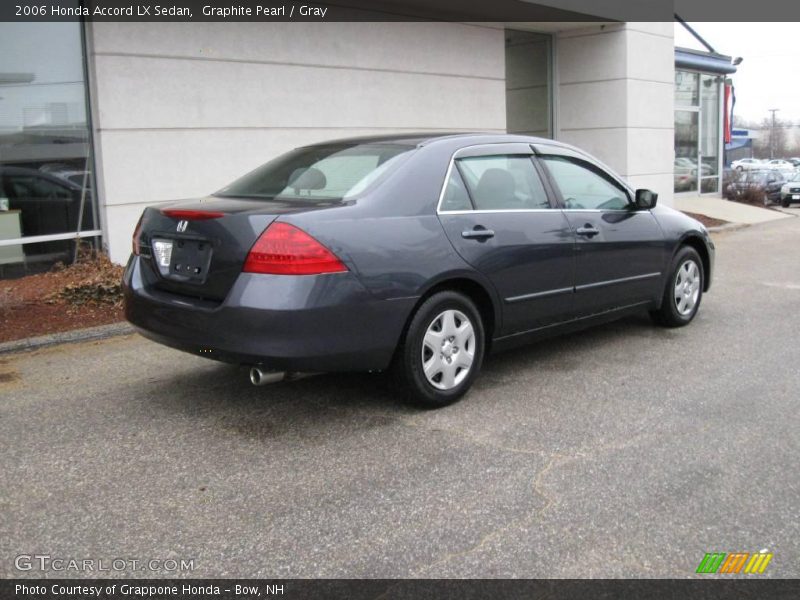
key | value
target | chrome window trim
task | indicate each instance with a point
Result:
(444, 187)
(538, 150)
(497, 210)
(452, 163)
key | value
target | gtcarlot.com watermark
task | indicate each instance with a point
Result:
(60, 564)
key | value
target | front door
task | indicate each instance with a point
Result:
(498, 215)
(620, 250)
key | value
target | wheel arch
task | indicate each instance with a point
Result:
(477, 291)
(695, 241)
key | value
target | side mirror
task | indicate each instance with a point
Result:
(646, 199)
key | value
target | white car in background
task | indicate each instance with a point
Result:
(746, 164)
(778, 164)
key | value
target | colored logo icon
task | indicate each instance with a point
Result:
(734, 563)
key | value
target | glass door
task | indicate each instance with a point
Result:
(687, 156)
(709, 133)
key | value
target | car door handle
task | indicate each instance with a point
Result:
(588, 230)
(477, 234)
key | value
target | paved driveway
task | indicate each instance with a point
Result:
(623, 451)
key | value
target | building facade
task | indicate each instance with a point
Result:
(99, 120)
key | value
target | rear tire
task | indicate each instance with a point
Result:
(683, 291)
(441, 352)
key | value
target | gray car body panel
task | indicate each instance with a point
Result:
(397, 248)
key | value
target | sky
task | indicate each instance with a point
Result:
(767, 77)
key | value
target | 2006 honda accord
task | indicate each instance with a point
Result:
(413, 253)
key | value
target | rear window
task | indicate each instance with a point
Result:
(324, 173)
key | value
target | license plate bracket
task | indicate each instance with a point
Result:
(189, 259)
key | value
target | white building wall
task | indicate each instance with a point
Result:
(615, 99)
(179, 110)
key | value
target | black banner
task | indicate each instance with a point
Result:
(405, 589)
(400, 10)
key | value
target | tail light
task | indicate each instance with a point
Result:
(191, 215)
(284, 249)
(137, 232)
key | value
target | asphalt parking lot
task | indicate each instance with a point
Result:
(626, 450)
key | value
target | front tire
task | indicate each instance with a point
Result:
(441, 353)
(684, 290)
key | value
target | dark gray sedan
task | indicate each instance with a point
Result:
(413, 253)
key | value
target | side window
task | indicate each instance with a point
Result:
(583, 187)
(503, 182)
(455, 193)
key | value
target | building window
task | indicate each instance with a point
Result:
(46, 175)
(528, 87)
(686, 88)
(697, 132)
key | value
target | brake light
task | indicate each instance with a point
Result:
(191, 215)
(136, 233)
(284, 249)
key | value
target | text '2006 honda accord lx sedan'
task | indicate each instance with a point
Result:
(416, 254)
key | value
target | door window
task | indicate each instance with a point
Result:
(582, 187)
(455, 195)
(503, 183)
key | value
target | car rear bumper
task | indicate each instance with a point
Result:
(293, 323)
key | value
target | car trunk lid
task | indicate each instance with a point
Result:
(198, 248)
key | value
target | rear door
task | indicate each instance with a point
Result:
(501, 218)
(620, 250)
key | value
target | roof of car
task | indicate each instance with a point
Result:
(425, 138)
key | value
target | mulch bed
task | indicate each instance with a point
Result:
(86, 294)
(707, 221)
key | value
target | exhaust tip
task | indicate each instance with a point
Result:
(261, 377)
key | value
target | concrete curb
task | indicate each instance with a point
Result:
(66, 337)
(729, 227)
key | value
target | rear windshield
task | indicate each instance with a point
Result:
(324, 173)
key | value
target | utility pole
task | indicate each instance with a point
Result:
(772, 133)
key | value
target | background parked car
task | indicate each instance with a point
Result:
(779, 164)
(746, 164)
(756, 187)
(48, 204)
(685, 174)
(790, 191)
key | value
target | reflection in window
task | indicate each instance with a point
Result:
(583, 188)
(686, 88)
(710, 135)
(686, 159)
(45, 163)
